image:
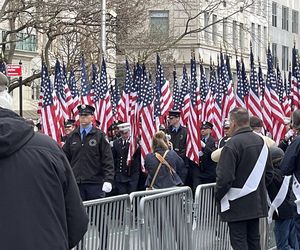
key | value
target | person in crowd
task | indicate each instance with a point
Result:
(243, 172)
(41, 206)
(256, 125)
(205, 172)
(289, 136)
(290, 165)
(69, 126)
(126, 176)
(178, 135)
(282, 208)
(162, 164)
(90, 156)
(226, 136)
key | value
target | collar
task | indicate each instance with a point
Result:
(174, 129)
(87, 129)
(242, 130)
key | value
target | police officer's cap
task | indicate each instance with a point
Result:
(226, 123)
(206, 125)
(69, 123)
(86, 109)
(124, 127)
(174, 113)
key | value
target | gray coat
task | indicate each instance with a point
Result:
(237, 160)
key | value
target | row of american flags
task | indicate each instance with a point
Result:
(145, 102)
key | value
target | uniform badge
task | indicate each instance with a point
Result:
(92, 142)
(181, 137)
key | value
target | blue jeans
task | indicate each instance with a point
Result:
(285, 235)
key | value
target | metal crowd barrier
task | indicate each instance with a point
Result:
(135, 218)
(209, 232)
(166, 220)
(108, 228)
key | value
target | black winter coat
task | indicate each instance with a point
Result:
(164, 179)
(123, 172)
(91, 162)
(40, 205)
(237, 160)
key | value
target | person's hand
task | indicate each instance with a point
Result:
(201, 153)
(107, 187)
(203, 144)
(289, 134)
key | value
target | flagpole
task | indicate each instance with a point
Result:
(20, 93)
(103, 28)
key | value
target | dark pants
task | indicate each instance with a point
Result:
(89, 191)
(297, 227)
(127, 187)
(244, 235)
(285, 235)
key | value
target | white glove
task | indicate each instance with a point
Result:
(289, 134)
(107, 187)
(203, 144)
(201, 153)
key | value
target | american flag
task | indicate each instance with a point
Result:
(185, 97)
(63, 92)
(86, 94)
(49, 115)
(265, 102)
(145, 101)
(218, 91)
(241, 92)
(163, 96)
(75, 94)
(205, 97)
(176, 92)
(123, 105)
(283, 98)
(114, 91)
(103, 106)
(254, 100)
(229, 98)
(295, 80)
(193, 141)
(278, 131)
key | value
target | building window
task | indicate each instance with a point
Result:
(274, 52)
(159, 23)
(285, 18)
(258, 10)
(295, 21)
(234, 34)
(259, 40)
(253, 37)
(285, 58)
(206, 23)
(225, 31)
(214, 28)
(274, 14)
(242, 37)
(26, 42)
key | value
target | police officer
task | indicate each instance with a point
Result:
(178, 135)
(206, 171)
(126, 177)
(69, 126)
(90, 156)
(226, 136)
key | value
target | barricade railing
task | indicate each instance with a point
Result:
(135, 226)
(209, 232)
(108, 227)
(165, 220)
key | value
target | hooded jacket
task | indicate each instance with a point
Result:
(40, 205)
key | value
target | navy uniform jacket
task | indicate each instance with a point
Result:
(123, 172)
(291, 160)
(178, 139)
(207, 165)
(91, 162)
